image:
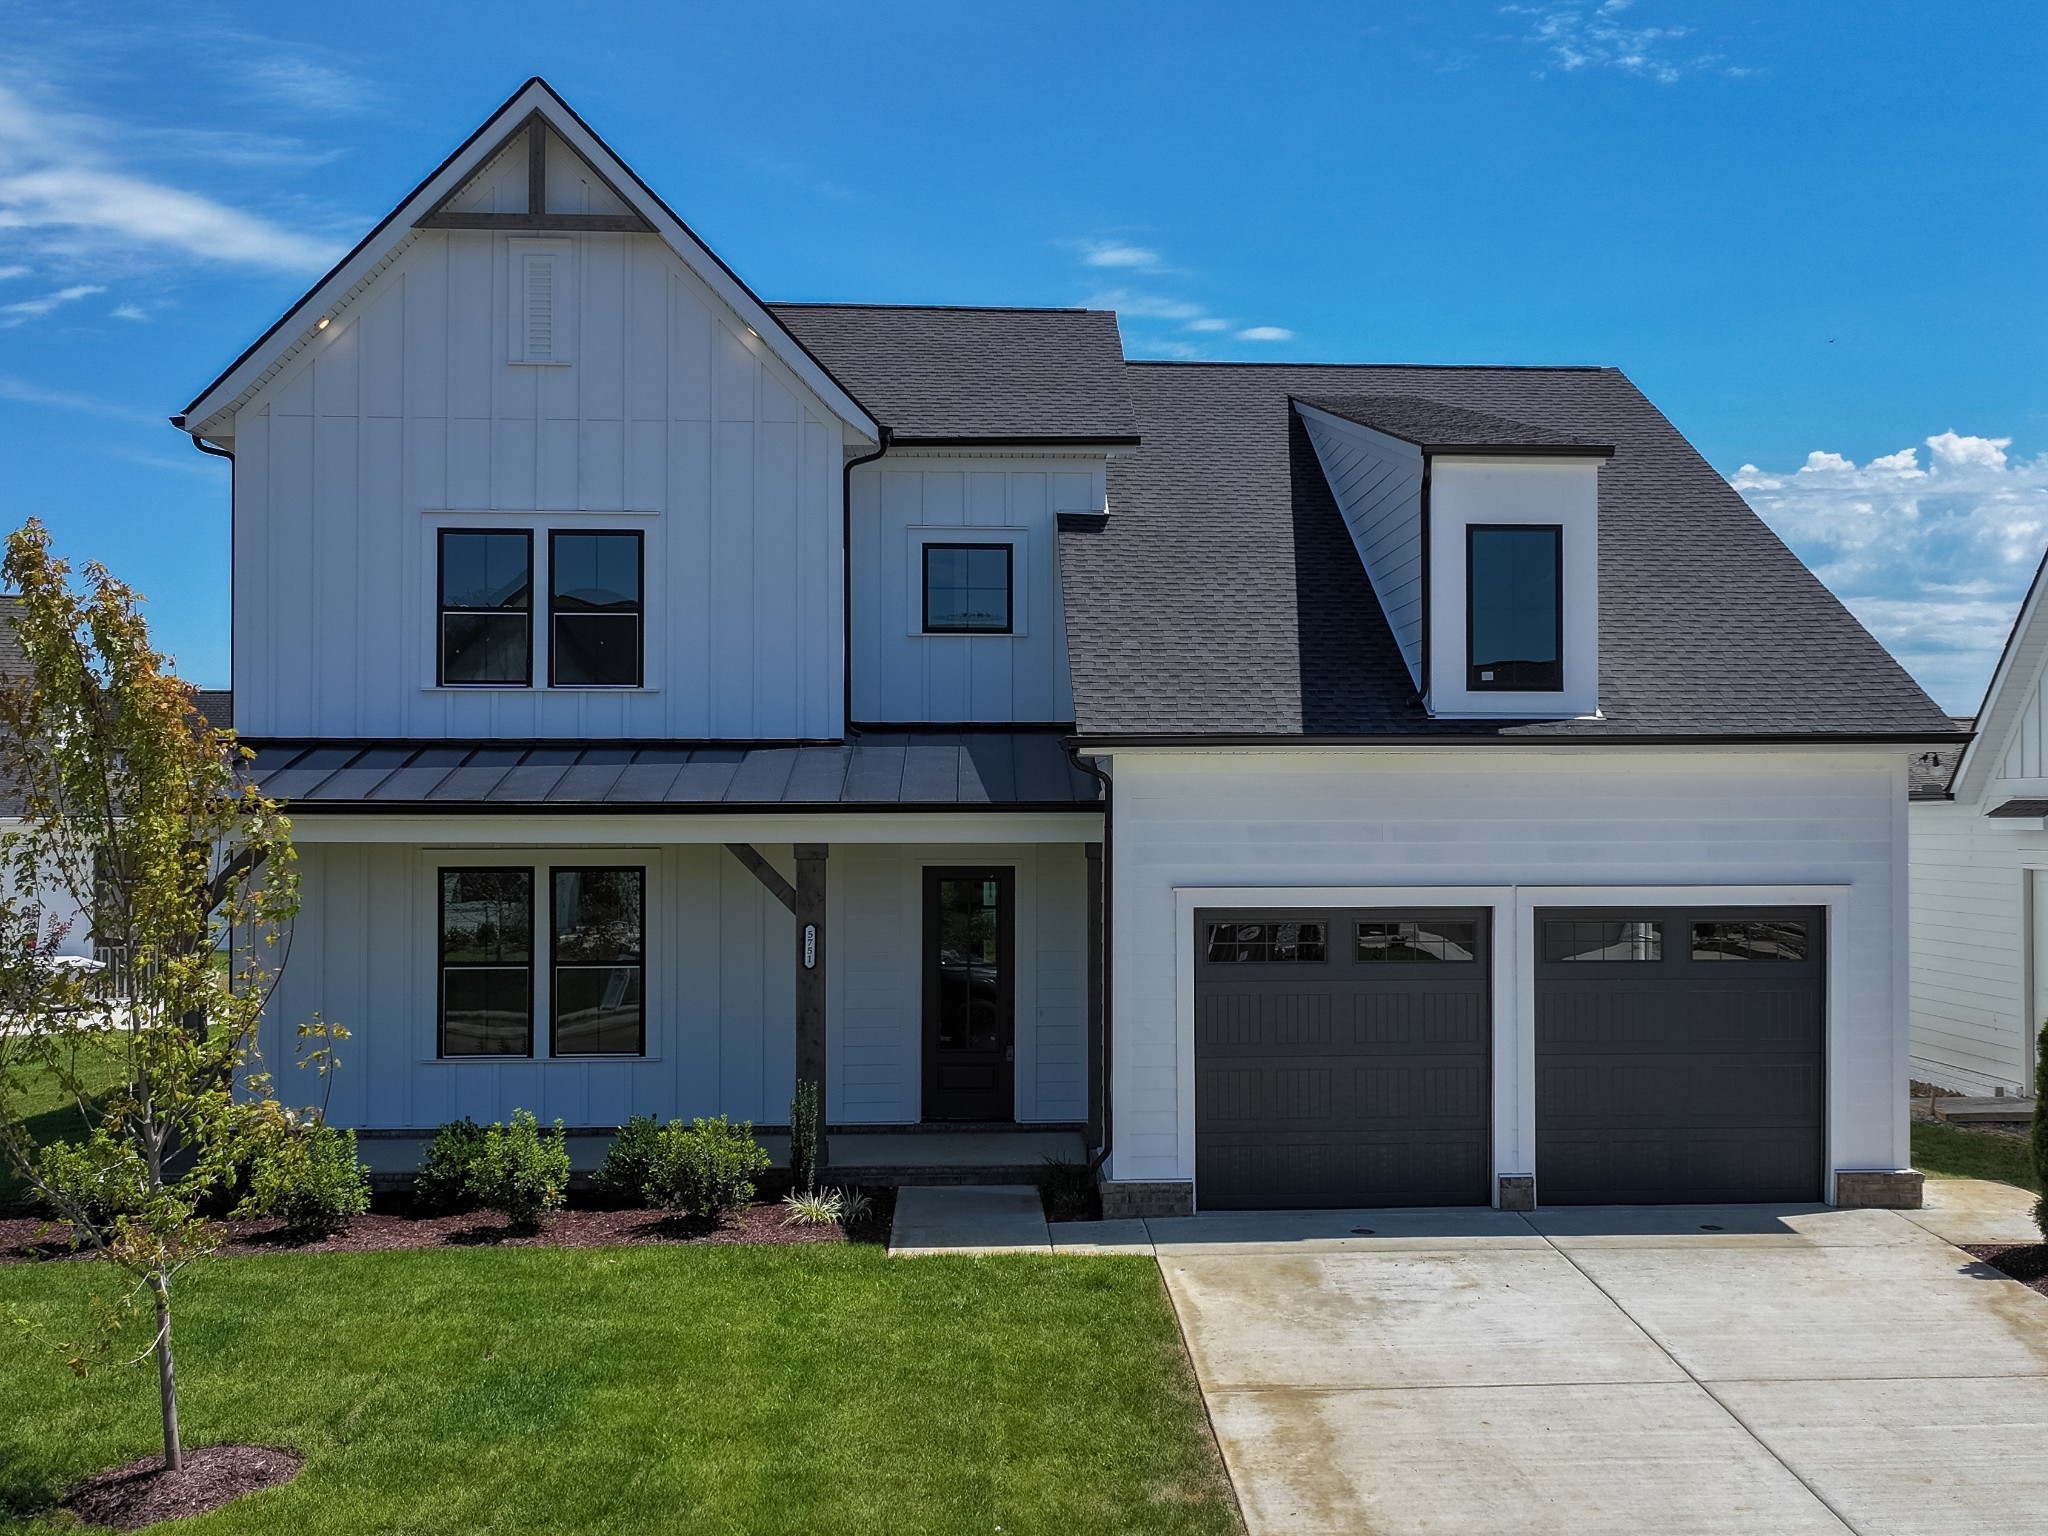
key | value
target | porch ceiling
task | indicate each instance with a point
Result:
(1010, 770)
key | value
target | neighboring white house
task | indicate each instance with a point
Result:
(1980, 882)
(1318, 785)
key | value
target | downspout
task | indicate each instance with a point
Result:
(1101, 1154)
(846, 577)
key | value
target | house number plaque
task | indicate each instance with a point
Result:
(810, 946)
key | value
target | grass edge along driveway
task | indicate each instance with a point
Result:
(630, 1389)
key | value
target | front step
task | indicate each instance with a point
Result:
(1991, 1111)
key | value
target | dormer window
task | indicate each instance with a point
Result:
(967, 589)
(1514, 587)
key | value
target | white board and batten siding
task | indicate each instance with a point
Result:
(663, 414)
(904, 501)
(1377, 481)
(1971, 947)
(720, 992)
(1747, 824)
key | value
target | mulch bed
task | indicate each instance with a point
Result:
(393, 1225)
(143, 1493)
(2024, 1262)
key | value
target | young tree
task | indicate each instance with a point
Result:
(132, 806)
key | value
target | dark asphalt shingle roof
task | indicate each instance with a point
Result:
(1432, 425)
(882, 768)
(992, 375)
(1222, 595)
(1928, 773)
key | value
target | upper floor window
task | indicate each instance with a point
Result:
(594, 610)
(1514, 581)
(967, 589)
(486, 607)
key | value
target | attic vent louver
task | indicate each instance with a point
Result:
(541, 290)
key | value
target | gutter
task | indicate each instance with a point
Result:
(1498, 741)
(847, 728)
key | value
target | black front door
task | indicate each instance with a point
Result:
(969, 1008)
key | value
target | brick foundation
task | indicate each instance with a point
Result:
(1859, 1189)
(1133, 1198)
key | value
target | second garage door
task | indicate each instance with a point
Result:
(1341, 1058)
(1679, 1055)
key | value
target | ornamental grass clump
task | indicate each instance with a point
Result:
(521, 1171)
(706, 1168)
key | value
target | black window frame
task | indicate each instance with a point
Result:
(639, 538)
(1473, 682)
(1009, 551)
(442, 965)
(555, 967)
(442, 607)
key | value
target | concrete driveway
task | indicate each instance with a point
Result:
(1677, 1370)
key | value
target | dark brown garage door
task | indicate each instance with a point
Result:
(1679, 1055)
(1341, 1058)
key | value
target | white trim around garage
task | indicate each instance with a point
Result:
(1513, 909)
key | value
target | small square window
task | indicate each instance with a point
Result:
(967, 589)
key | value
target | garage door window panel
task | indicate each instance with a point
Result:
(1419, 943)
(1601, 940)
(1267, 943)
(1780, 939)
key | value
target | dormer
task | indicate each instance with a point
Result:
(1480, 536)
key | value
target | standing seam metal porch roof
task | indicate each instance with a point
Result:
(892, 770)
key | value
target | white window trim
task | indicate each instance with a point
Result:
(540, 860)
(1513, 909)
(653, 612)
(1019, 540)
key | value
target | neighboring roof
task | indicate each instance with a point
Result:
(1438, 428)
(927, 769)
(218, 706)
(1222, 597)
(13, 663)
(954, 375)
(295, 328)
(2009, 693)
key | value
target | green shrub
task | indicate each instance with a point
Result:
(706, 1168)
(98, 1179)
(310, 1180)
(803, 1137)
(521, 1170)
(623, 1174)
(1068, 1190)
(443, 1182)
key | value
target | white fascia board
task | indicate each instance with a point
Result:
(442, 830)
(2005, 701)
(296, 329)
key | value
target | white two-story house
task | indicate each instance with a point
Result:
(1314, 785)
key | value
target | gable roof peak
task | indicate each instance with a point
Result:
(615, 199)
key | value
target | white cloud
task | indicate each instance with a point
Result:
(1580, 36)
(28, 393)
(1115, 253)
(58, 185)
(15, 271)
(301, 83)
(35, 309)
(130, 312)
(1174, 320)
(1933, 558)
(1265, 333)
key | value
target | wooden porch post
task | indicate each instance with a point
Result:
(810, 979)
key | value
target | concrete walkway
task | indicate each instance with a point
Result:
(966, 1219)
(1713, 1369)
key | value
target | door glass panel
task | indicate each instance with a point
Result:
(1583, 939)
(970, 965)
(1776, 938)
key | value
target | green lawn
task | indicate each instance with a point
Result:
(750, 1390)
(1949, 1152)
(50, 1114)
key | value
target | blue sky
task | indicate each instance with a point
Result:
(1813, 233)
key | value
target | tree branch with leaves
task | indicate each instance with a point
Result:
(140, 815)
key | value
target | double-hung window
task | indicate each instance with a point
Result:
(967, 589)
(594, 610)
(599, 920)
(486, 943)
(1514, 582)
(486, 608)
